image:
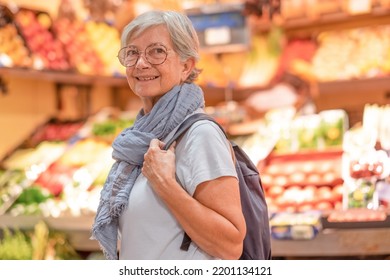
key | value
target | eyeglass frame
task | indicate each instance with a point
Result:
(143, 52)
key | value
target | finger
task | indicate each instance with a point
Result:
(154, 143)
(161, 144)
(172, 147)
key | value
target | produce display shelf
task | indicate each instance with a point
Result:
(63, 77)
(329, 243)
(213, 94)
(337, 243)
(326, 21)
(76, 228)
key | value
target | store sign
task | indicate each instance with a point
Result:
(217, 36)
(220, 28)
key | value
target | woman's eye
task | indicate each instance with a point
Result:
(157, 51)
(131, 52)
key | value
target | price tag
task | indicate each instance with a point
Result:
(217, 36)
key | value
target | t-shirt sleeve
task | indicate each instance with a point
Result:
(203, 154)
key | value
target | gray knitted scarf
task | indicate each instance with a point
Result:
(128, 151)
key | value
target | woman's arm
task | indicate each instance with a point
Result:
(212, 217)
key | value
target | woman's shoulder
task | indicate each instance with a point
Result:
(205, 128)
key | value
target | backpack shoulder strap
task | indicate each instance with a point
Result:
(186, 124)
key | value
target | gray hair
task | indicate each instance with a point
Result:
(183, 35)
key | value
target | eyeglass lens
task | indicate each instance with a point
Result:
(155, 54)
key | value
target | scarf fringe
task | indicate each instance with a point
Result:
(105, 243)
(117, 210)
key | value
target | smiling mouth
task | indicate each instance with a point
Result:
(147, 78)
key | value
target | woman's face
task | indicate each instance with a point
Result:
(148, 81)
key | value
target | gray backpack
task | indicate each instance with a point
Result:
(257, 243)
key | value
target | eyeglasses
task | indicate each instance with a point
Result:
(155, 54)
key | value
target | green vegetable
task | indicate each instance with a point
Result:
(15, 246)
(33, 194)
(39, 244)
(111, 127)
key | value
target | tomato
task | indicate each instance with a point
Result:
(328, 177)
(311, 188)
(266, 180)
(282, 202)
(269, 200)
(313, 178)
(337, 193)
(274, 191)
(324, 193)
(289, 168)
(290, 209)
(280, 180)
(305, 207)
(308, 167)
(297, 177)
(272, 208)
(324, 206)
(338, 205)
(273, 169)
(309, 194)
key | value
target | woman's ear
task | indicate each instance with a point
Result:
(188, 66)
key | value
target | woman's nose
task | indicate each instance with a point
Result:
(142, 61)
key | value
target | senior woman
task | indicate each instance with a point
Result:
(152, 196)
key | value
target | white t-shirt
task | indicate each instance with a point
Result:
(147, 228)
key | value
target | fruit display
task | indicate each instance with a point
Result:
(105, 40)
(334, 123)
(302, 182)
(13, 51)
(307, 130)
(369, 165)
(354, 53)
(83, 152)
(91, 47)
(107, 124)
(260, 64)
(252, 68)
(220, 70)
(82, 55)
(362, 194)
(36, 158)
(47, 52)
(356, 215)
(30, 202)
(54, 131)
(12, 183)
(53, 182)
(362, 173)
(109, 129)
(60, 170)
(70, 178)
(366, 165)
(296, 53)
(315, 132)
(21, 168)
